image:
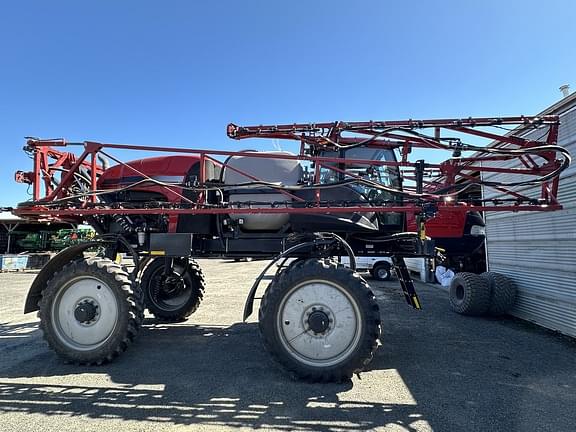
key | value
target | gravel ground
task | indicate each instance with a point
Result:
(435, 371)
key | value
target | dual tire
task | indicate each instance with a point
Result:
(487, 294)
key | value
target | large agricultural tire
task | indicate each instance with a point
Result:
(381, 271)
(502, 293)
(469, 294)
(320, 321)
(90, 311)
(176, 297)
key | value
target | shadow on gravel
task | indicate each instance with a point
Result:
(305, 411)
(11, 332)
(212, 376)
(464, 374)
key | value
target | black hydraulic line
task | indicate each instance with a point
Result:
(361, 143)
(567, 158)
(537, 150)
(248, 306)
(348, 249)
(393, 237)
(119, 238)
(419, 168)
(271, 185)
(505, 151)
(142, 174)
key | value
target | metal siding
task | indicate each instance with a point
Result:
(538, 250)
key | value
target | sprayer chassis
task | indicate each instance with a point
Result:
(310, 298)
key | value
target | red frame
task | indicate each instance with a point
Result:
(313, 137)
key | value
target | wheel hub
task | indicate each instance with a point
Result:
(169, 292)
(318, 321)
(86, 312)
(173, 285)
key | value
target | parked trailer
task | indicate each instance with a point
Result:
(345, 193)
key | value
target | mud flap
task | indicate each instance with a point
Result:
(54, 265)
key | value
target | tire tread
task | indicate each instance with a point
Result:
(129, 295)
(476, 294)
(502, 293)
(369, 307)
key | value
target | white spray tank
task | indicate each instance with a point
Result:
(284, 171)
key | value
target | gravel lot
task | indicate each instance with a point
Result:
(435, 371)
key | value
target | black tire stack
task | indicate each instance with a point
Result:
(502, 293)
(489, 293)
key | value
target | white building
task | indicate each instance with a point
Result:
(538, 249)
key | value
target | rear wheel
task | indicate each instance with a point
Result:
(320, 321)
(90, 311)
(176, 295)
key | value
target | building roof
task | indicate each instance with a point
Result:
(7, 217)
(560, 106)
(557, 108)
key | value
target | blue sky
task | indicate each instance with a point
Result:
(176, 72)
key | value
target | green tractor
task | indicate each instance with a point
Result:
(54, 241)
(69, 237)
(33, 241)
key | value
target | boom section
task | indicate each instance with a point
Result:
(65, 185)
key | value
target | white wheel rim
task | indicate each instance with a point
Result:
(382, 273)
(322, 349)
(84, 336)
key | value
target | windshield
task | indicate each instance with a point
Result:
(384, 175)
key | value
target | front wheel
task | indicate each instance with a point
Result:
(320, 321)
(90, 311)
